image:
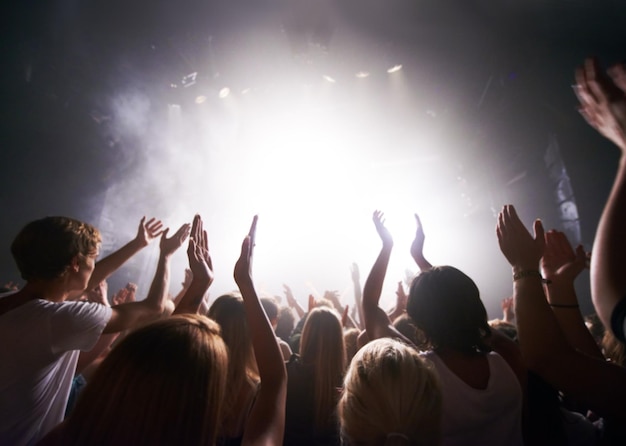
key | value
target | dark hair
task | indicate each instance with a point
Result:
(445, 305)
(44, 248)
(270, 307)
(286, 323)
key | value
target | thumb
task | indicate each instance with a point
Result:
(164, 233)
(539, 233)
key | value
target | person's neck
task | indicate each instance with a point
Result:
(51, 290)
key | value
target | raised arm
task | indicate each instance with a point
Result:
(127, 315)
(358, 294)
(417, 247)
(376, 321)
(292, 302)
(146, 232)
(266, 422)
(603, 105)
(560, 266)
(546, 351)
(201, 267)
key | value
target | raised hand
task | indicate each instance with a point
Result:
(170, 245)
(354, 271)
(560, 261)
(603, 99)
(99, 294)
(417, 247)
(200, 261)
(333, 297)
(243, 267)
(522, 250)
(508, 309)
(379, 222)
(401, 298)
(312, 303)
(187, 280)
(148, 231)
(344, 316)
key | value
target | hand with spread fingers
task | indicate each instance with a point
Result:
(148, 231)
(602, 99)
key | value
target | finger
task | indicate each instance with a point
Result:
(164, 233)
(539, 234)
(311, 302)
(194, 226)
(245, 249)
(618, 74)
(252, 231)
(419, 223)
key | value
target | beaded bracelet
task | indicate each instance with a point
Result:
(527, 273)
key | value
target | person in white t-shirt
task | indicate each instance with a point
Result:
(42, 332)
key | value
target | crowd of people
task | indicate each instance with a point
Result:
(80, 367)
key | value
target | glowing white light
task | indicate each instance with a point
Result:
(200, 99)
(394, 69)
(245, 91)
(362, 74)
(224, 92)
(329, 79)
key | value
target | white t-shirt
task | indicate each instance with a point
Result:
(39, 348)
(486, 417)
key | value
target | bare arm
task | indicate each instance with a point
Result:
(127, 315)
(603, 104)
(266, 422)
(545, 350)
(376, 321)
(417, 247)
(146, 232)
(358, 294)
(293, 303)
(561, 265)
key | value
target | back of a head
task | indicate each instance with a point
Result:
(270, 307)
(444, 303)
(286, 323)
(322, 348)
(229, 312)
(44, 248)
(163, 384)
(391, 397)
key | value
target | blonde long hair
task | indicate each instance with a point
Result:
(391, 396)
(163, 384)
(322, 348)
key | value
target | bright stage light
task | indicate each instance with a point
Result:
(200, 99)
(328, 79)
(224, 92)
(394, 69)
(362, 74)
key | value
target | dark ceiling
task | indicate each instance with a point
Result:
(503, 68)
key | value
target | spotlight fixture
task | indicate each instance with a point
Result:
(329, 79)
(394, 69)
(200, 99)
(362, 74)
(224, 92)
(189, 80)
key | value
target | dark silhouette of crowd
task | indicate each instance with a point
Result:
(80, 367)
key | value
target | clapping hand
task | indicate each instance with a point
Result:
(170, 245)
(560, 261)
(379, 221)
(522, 250)
(243, 267)
(603, 100)
(148, 231)
(200, 261)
